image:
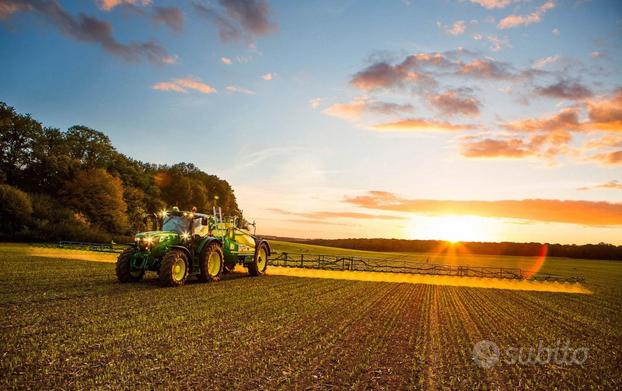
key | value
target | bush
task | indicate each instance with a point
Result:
(15, 209)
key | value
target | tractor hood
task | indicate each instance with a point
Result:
(160, 235)
(155, 239)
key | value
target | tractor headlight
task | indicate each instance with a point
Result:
(146, 243)
(185, 236)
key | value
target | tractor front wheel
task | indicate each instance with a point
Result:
(173, 268)
(260, 262)
(212, 263)
(124, 267)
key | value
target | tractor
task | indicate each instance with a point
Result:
(187, 243)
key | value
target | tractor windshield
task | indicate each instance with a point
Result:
(177, 224)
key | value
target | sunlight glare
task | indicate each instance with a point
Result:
(452, 228)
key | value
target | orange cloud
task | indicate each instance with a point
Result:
(606, 113)
(355, 109)
(183, 85)
(490, 148)
(567, 119)
(486, 69)
(337, 215)
(492, 4)
(614, 185)
(456, 102)
(107, 5)
(420, 125)
(561, 211)
(455, 29)
(609, 158)
(511, 21)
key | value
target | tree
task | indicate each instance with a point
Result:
(18, 135)
(99, 196)
(15, 209)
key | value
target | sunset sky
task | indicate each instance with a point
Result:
(484, 120)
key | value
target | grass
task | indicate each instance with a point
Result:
(68, 324)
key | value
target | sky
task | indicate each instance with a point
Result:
(485, 120)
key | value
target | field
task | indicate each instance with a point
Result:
(66, 323)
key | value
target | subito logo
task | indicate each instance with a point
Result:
(486, 354)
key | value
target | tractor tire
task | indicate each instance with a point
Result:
(124, 267)
(212, 263)
(260, 261)
(173, 268)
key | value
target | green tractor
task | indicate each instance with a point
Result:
(192, 244)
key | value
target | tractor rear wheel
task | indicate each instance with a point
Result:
(124, 267)
(260, 262)
(173, 268)
(212, 263)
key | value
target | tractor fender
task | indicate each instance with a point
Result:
(186, 251)
(206, 242)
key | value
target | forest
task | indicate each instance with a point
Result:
(74, 185)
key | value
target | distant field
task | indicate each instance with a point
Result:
(67, 323)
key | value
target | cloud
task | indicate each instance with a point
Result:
(315, 103)
(107, 5)
(492, 4)
(457, 28)
(9, 7)
(608, 140)
(566, 119)
(565, 89)
(168, 86)
(454, 102)
(239, 90)
(337, 215)
(512, 21)
(611, 185)
(487, 69)
(225, 60)
(421, 69)
(498, 43)
(546, 210)
(555, 32)
(239, 19)
(609, 158)
(597, 54)
(541, 63)
(606, 113)
(411, 69)
(420, 125)
(253, 15)
(267, 76)
(86, 28)
(491, 148)
(362, 105)
(183, 85)
(170, 16)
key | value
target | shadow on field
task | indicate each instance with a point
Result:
(151, 280)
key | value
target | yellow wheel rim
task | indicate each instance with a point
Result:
(262, 260)
(179, 269)
(213, 264)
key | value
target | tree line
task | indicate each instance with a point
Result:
(586, 251)
(74, 185)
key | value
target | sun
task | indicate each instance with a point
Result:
(451, 228)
